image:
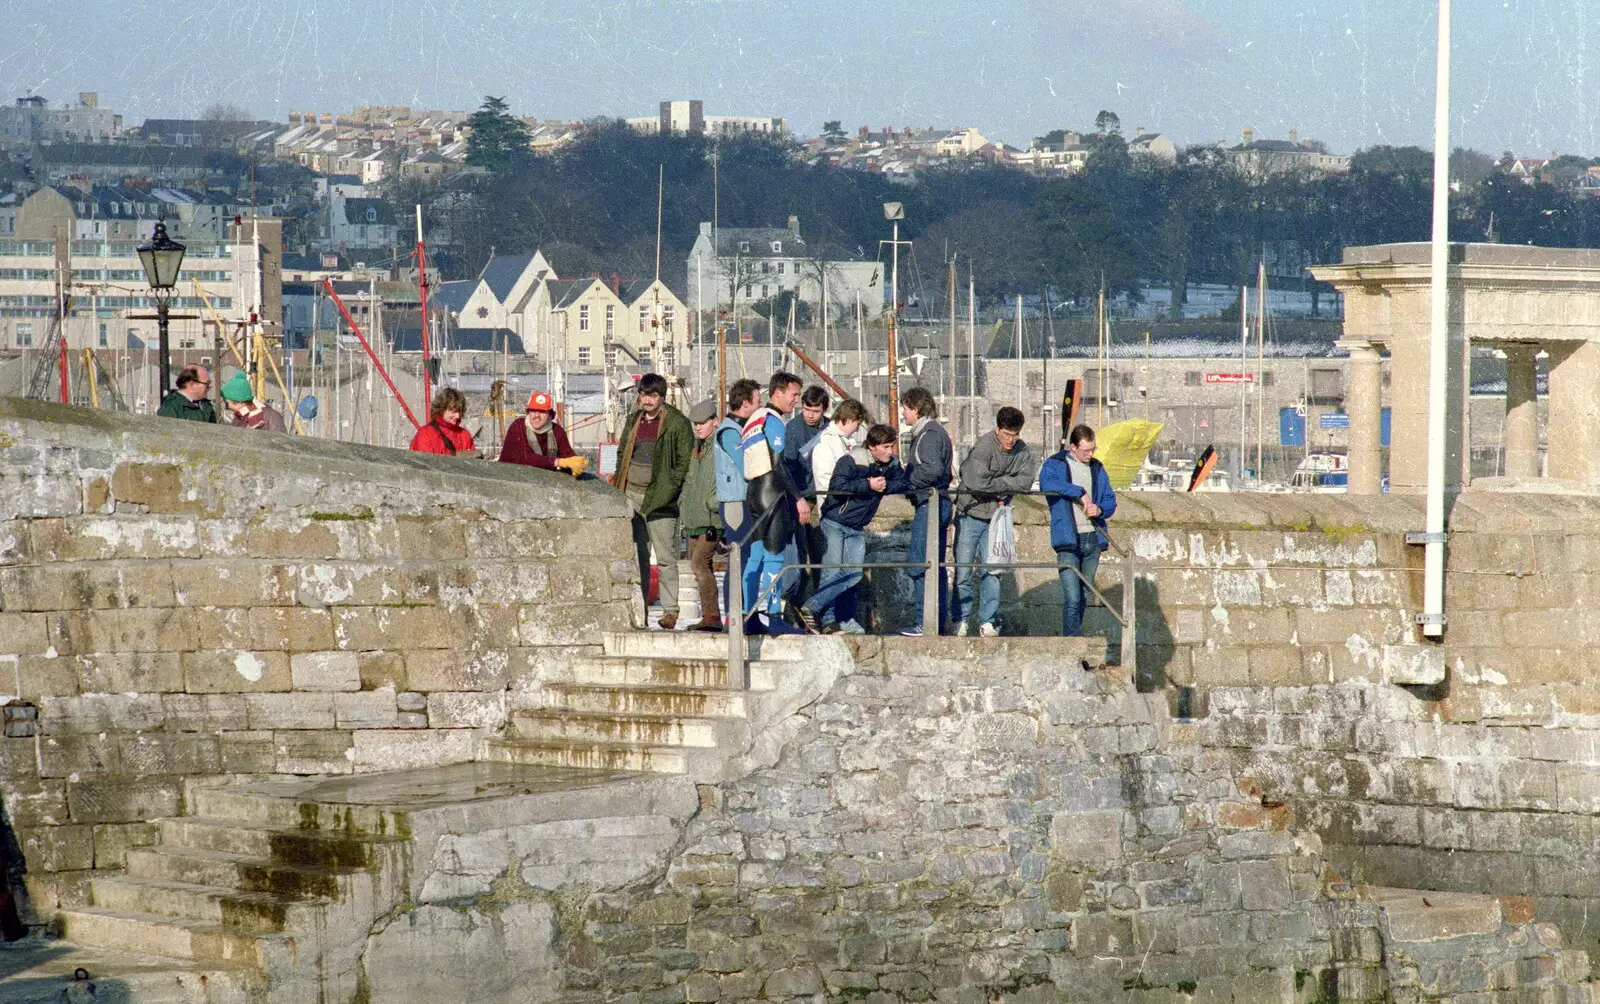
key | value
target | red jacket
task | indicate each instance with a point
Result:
(517, 450)
(438, 437)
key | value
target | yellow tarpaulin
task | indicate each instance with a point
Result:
(1122, 448)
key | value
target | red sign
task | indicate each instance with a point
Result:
(1230, 378)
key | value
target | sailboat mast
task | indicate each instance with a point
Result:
(972, 355)
(1100, 343)
(1244, 333)
(950, 404)
(1261, 362)
(1019, 348)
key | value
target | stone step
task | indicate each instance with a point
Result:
(242, 872)
(173, 937)
(645, 700)
(699, 645)
(254, 808)
(290, 846)
(669, 672)
(610, 727)
(250, 912)
(40, 971)
(592, 755)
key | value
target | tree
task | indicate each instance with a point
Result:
(1106, 123)
(222, 125)
(498, 138)
(1406, 162)
(833, 131)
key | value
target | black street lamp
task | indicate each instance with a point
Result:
(161, 259)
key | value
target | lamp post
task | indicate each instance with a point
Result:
(161, 259)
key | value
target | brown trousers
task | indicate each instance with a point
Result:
(701, 550)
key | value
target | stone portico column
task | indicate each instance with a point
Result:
(1522, 411)
(1574, 416)
(1364, 404)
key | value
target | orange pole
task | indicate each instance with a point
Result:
(64, 371)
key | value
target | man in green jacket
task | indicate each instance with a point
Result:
(701, 516)
(189, 401)
(651, 467)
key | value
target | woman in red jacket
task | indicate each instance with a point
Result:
(444, 433)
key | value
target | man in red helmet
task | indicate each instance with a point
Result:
(538, 440)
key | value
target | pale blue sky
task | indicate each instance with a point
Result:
(1350, 72)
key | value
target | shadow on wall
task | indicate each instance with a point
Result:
(1038, 612)
(13, 891)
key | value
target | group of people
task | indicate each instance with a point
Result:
(793, 488)
(191, 401)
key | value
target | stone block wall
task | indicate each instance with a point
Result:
(186, 603)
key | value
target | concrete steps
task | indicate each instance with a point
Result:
(592, 755)
(252, 881)
(657, 701)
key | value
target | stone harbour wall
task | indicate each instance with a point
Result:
(186, 603)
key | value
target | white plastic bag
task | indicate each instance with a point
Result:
(1002, 538)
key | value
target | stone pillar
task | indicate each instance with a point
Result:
(1363, 402)
(1522, 411)
(1408, 415)
(1574, 416)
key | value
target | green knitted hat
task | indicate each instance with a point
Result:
(238, 388)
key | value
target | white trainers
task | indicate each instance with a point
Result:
(987, 630)
(963, 630)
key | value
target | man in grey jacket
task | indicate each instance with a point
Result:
(1000, 465)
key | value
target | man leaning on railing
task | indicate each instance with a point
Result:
(1081, 500)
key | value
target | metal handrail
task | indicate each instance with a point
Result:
(738, 649)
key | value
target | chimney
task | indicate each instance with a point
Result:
(1249, 135)
(89, 99)
(794, 225)
(294, 118)
(1138, 130)
(1294, 136)
(616, 283)
(864, 132)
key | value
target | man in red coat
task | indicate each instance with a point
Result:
(538, 440)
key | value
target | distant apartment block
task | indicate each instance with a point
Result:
(58, 261)
(31, 120)
(689, 118)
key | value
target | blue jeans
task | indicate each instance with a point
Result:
(972, 545)
(1084, 557)
(917, 553)
(763, 568)
(845, 546)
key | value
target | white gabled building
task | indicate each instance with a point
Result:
(749, 264)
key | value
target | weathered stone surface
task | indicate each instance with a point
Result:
(437, 953)
(325, 671)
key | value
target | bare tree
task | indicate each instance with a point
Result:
(222, 125)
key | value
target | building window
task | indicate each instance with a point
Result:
(1191, 379)
(766, 267)
(583, 317)
(583, 355)
(669, 355)
(777, 359)
(24, 334)
(1268, 379)
(666, 318)
(780, 268)
(744, 247)
(777, 247)
(104, 337)
(644, 357)
(611, 355)
(644, 318)
(766, 291)
(611, 319)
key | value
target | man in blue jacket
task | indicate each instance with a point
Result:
(1079, 492)
(860, 480)
(930, 463)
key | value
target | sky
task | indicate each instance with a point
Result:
(1352, 73)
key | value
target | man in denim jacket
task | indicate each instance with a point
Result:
(1081, 500)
